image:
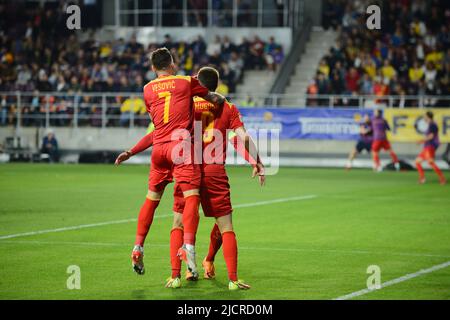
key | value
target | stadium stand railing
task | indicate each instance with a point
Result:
(234, 13)
(127, 109)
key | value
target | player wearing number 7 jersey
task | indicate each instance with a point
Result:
(169, 103)
(214, 190)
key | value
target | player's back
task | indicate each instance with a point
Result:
(379, 126)
(218, 119)
(434, 130)
(169, 103)
(368, 135)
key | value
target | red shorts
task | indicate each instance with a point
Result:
(170, 161)
(427, 153)
(214, 196)
(377, 145)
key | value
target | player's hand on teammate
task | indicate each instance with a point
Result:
(258, 170)
(124, 156)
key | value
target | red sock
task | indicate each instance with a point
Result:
(215, 243)
(437, 170)
(420, 169)
(190, 218)
(230, 254)
(176, 241)
(376, 159)
(145, 220)
(393, 156)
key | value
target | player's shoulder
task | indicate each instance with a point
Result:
(201, 104)
(199, 100)
(229, 105)
(174, 77)
(186, 78)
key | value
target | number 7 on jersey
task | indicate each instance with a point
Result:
(166, 95)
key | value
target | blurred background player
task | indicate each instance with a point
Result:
(430, 145)
(168, 99)
(364, 142)
(380, 141)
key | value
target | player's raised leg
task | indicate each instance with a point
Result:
(144, 222)
(350, 159)
(438, 171)
(188, 177)
(214, 245)
(376, 160)
(419, 167)
(394, 159)
(190, 223)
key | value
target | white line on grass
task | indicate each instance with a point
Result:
(92, 225)
(395, 281)
(332, 251)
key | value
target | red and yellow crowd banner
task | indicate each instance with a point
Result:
(408, 125)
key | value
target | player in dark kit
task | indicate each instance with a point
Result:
(380, 141)
(364, 142)
(169, 103)
(430, 145)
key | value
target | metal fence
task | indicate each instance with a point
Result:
(127, 109)
(211, 13)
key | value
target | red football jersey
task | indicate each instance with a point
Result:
(215, 118)
(169, 103)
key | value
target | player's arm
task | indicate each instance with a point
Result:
(428, 137)
(236, 142)
(215, 98)
(363, 130)
(250, 148)
(143, 144)
(198, 90)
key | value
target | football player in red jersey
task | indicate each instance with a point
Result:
(168, 99)
(214, 190)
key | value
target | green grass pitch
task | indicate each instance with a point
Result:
(317, 248)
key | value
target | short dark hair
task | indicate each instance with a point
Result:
(430, 114)
(209, 78)
(161, 58)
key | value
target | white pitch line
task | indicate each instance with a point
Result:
(332, 251)
(92, 225)
(395, 281)
(81, 226)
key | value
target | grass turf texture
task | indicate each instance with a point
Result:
(318, 248)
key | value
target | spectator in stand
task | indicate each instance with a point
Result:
(324, 68)
(50, 147)
(131, 105)
(352, 80)
(257, 53)
(388, 71)
(222, 88)
(366, 85)
(416, 73)
(407, 56)
(3, 111)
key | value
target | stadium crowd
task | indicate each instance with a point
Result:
(38, 54)
(409, 55)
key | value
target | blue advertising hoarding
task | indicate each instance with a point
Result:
(311, 123)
